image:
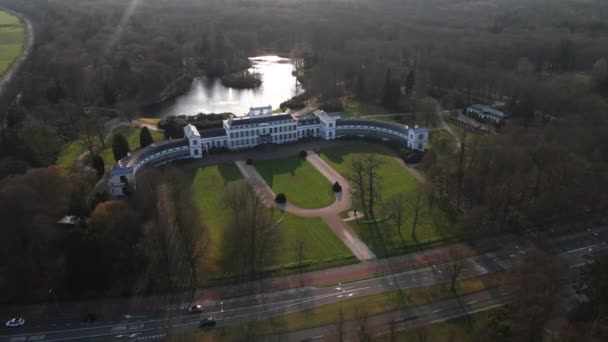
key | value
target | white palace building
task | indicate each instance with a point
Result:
(259, 126)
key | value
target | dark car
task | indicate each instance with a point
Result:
(195, 309)
(207, 323)
(89, 318)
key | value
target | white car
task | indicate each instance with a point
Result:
(15, 322)
(195, 309)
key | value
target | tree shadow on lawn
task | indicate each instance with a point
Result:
(270, 168)
(337, 154)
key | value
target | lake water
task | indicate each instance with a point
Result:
(211, 96)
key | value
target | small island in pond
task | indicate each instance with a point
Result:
(242, 80)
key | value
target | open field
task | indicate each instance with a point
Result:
(299, 180)
(70, 152)
(434, 224)
(11, 40)
(323, 247)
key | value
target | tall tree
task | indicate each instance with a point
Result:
(145, 137)
(410, 83)
(453, 268)
(120, 146)
(396, 205)
(98, 165)
(251, 236)
(416, 205)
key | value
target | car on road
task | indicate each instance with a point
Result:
(207, 323)
(89, 318)
(15, 322)
(195, 309)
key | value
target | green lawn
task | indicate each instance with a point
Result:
(299, 180)
(70, 151)
(323, 247)
(434, 225)
(11, 40)
(355, 109)
(132, 135)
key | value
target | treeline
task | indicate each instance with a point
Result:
(173, 126)
(108, 55)
(153, 241)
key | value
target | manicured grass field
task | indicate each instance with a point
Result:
(322, 245)
(70, 152)
(299, 180)
(11, 40)
(355, 109)
(434, 224)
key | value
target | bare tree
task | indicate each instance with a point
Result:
(361, 317)
(396, 205)
(251, 235)
(416, 204)
(89, 138)
(453, 268)
(372, 164)
(339, 325)
(301, 246)
(357, 176)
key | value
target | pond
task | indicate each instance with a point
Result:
(211, 96)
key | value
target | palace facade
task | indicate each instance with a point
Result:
(259, 126)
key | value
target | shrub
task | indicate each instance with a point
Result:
(281, 198)
(99, 165)
(303, 154)
(120, 146)
(249, 161)
(411, 156)
(145, 137)
(337, 187)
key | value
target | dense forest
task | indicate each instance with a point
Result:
(545, 61)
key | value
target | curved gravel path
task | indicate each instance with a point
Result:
(329, 214)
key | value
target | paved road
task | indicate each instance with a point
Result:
(403, 319)
(237, 311)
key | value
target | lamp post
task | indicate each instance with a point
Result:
(222, 310)
(52, 292)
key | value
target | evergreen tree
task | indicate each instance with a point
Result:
(120, 146)
(361, 86)
(99, 165)
(145, 138)
(410, 83)
(392, 91)
(387, 95)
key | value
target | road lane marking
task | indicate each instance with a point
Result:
(436, 311)
(472, 302)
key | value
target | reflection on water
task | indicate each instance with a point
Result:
(210, 96)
